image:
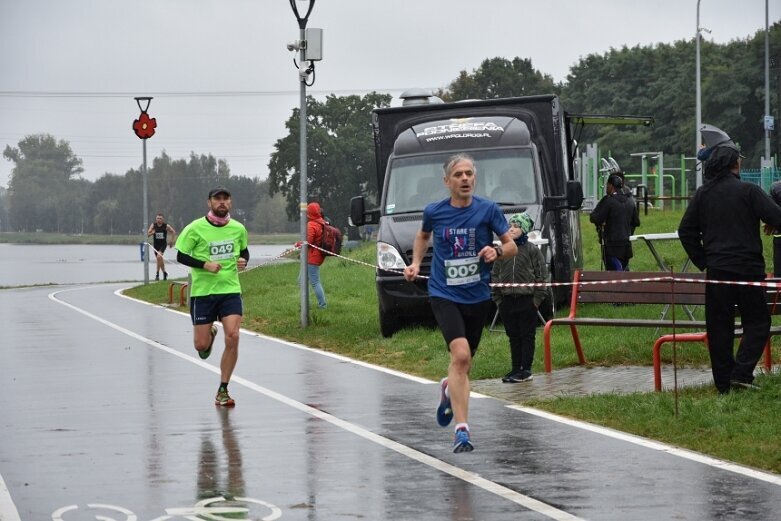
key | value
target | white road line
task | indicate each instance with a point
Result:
(655, 445)
(630, 438)
(469, 477)
(302, 347)
(8, 510)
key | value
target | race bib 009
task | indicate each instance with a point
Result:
(220, 250)
(462, 271)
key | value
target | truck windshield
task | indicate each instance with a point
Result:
(506, 176)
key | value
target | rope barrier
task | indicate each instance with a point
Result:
(665, 278)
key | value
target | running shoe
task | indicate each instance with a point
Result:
(444, 411)
(157, 276)
(165, 275)
(506, 378)
(206, 352)
(739, 385)
(462, 442)
(519, 377)
(224, 399)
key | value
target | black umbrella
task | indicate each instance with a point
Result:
(714, 136)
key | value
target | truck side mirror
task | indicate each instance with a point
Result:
(358, 214)
(357, 211)
(572, 201)
(574, 195)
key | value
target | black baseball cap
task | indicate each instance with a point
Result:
(219, 190)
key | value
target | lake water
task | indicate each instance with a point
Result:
(26, 264)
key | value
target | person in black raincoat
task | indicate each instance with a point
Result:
(720, 232)
(616, 218)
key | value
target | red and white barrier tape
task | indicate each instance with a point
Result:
(665, 278)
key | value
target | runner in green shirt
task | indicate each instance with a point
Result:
(215, 248)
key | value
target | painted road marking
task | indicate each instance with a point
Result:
(201, 510)
(457, 472)
(8, 510)
(129, 515)
(655, 445)
(301, 347)
(631, 438)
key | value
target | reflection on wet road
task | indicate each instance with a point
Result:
(105, 403)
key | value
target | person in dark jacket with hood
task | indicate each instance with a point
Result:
(616, 218)
(775, 194)
(518, 305)
(720, 232)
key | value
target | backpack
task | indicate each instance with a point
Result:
(332, 239)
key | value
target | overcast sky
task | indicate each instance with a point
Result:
(104, 52)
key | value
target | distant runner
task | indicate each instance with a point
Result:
(215, 247)
(463, 227)
(160, 230)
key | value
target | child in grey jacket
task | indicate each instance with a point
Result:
(518, 305)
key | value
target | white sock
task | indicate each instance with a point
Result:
(460, 426)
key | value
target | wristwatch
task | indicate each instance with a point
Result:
(498, 251)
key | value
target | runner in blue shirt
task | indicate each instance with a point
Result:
(463, 228)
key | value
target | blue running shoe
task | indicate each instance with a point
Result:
(444, 411)
(462, 442)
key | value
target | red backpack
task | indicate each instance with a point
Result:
(332, 239)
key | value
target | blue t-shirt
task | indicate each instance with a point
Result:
(457, 273)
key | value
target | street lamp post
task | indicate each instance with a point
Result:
(768, 123)
(303, 75)
(144, 127)
(698, 102)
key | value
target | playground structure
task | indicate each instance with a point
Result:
(673, 187)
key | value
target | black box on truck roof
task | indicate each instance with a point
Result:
(404, 126)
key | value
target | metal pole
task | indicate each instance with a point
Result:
(146, 223)
(302, 169)
(698, 167)
(767, 86)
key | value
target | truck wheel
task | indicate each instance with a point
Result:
(388, 324)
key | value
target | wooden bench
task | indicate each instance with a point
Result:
(612, 287)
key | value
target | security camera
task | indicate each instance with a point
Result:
(293, 46)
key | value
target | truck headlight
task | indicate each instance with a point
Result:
(388, 257)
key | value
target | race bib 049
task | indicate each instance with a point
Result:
(220, 250)
(462, 271)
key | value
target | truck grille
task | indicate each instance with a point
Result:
(425, 265)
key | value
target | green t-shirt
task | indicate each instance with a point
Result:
(203, 241)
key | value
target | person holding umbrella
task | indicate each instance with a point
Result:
(720, 232)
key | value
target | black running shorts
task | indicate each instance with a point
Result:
(210, 308)
(460, 320)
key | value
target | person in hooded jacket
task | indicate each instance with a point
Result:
(518, 305)
(775, 194)
(315, 257)
(616, 218)
(720, 232)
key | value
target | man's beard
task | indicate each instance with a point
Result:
(220, 212)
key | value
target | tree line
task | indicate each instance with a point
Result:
(46, 191)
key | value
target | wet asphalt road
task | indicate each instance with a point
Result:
(107, 413)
